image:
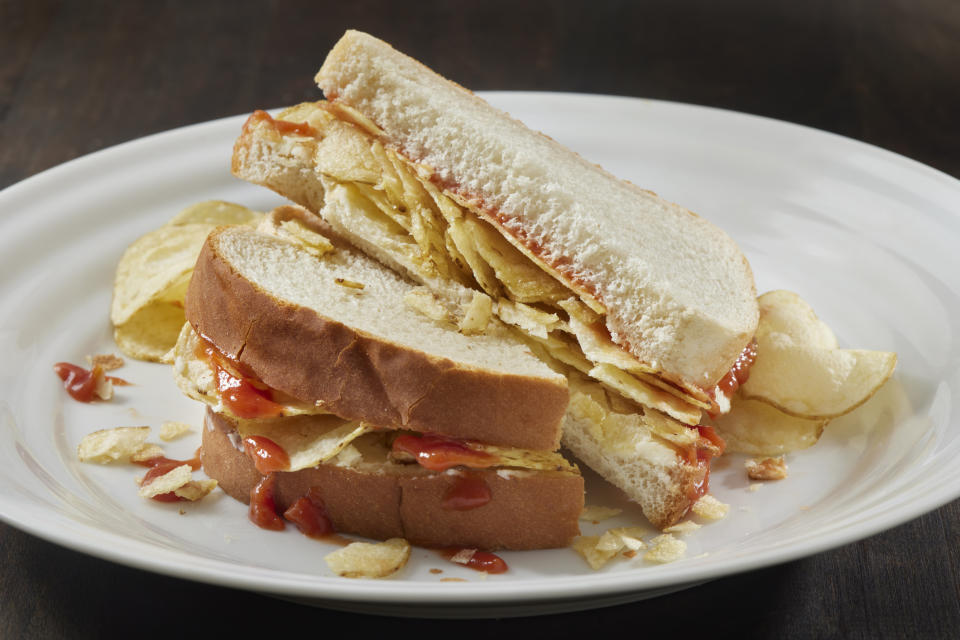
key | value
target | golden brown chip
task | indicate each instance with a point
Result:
(767, 469)
(173, 430)
(112, 445)
(168, 482)
(476, 314)
(587, 547)
(685, 527)
(710, 508)
(757, 428)
(596, 513)
(366, 560)
(665, 548)
(215, 212)
(147, 452)
(106, 361)
(195, 489)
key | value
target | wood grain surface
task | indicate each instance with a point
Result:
(76, 77)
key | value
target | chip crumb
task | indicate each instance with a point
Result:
(766, 468)
(597, 513)
(599, 550)
(754, 487)
(630, 554)
(106, 361)
(196, 489)
(665, 548)
(685, 527)
(170, 481)
(102, 386)
(172, 430)
(181, 511)
(350, 284)
(710, 508)
(148, 451)
(435, 571)
(586, 546)
(112, 445)
(453, 580)
(463, 556)
(368, 560)
(421, 300)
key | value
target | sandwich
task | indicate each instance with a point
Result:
(647, 309)
(337, 388)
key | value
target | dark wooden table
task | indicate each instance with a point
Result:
(77, 77)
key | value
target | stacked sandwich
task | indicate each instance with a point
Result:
(641, 311)
(335, 401)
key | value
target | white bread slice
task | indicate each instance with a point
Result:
(363, 354)
(678, 293)
(368, 494)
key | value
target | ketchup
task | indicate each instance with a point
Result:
(81, 383)
(263, 509)
(468, 492)
(439, 453)
(738, 375)
(310, 515)
(479, 561)
(242, 394)
(267, 455)
(162, 465)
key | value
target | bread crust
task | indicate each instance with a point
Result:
(363, 377)
(533, 510)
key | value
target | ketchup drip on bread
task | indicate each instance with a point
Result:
(242, 394)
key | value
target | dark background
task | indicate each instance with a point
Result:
(81, 76)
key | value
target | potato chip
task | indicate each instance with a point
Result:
(786, 312)
(421, 300)
(106, 361)
(767, 469)
(665, 548)
(173, 430)
(168, 482)
(685, 527)
(477, 313)
(196, 489)
(587, 547)
(810, 382)
(148, 451)
(596, 513)
(147, 335)
(215, 212)
(307, 440)
(112, 445)
(757, 428)
(366, 560)
(710, 508)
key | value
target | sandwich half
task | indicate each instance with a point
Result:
(647, 308)
(329, 376)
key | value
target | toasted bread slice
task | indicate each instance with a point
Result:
(334, 332)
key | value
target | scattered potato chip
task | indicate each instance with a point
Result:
(463, 556)
(757, 428)
(596, 513)
(366, 560)
(767, 469)
(170, 481)
(710, 508)
(112, 445)
(350, 284)
(196, 489)
(147, 452)
(813, 383)
(665, 548)
(685, 527)
(799, 369)
(173, 430)
(102, 387)
(215, 212)
(106, 361)
(786, 312)
(587, 546)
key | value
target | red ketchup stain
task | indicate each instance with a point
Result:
(310, 515)
(161, 465)
(243, 395)
(263, 508)
(738, 375)
(479, 561)
(468, 492)
(439, 453)
(701, 457)
(267, 455)
(81, 383)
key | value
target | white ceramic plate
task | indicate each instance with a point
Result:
(868, 237)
